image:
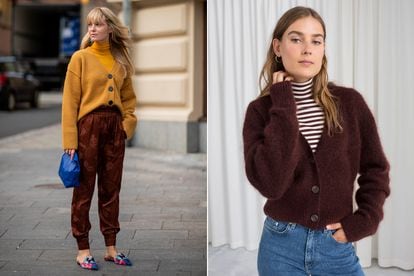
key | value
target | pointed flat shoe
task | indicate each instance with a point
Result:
(88, 263)
(120, 259)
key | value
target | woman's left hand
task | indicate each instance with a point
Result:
(339, 235)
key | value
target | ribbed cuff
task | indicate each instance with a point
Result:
(83, 243)
(282, 96)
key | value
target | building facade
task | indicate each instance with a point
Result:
(169, 52)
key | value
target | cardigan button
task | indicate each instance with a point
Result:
(109, 76)
(110, 89)
(314, 218)
(110, 102)
(315, 189)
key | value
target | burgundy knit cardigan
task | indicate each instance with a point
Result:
(316, 189)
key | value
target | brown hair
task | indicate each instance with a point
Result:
(119, 39)
(320, 91)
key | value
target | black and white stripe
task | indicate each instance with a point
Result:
(310, 115)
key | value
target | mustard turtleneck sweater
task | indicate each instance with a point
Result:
(93, 79)
(102, 51)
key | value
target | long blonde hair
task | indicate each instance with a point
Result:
(119, 39)
(320, 91)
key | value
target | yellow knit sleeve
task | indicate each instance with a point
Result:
(70, 104)
(129, 103)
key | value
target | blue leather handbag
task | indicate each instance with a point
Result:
(69, 170)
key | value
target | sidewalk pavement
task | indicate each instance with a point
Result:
(162, 214)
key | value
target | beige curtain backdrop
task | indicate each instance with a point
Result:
(369, 47)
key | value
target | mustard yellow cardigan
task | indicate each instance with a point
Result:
(88, 85)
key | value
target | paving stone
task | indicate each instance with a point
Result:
(24, 211)
(183, 210)
(51, 224)
(51, 212)
(199, 273)
(14, 273)
(176, 196)
(183, 265)
(189, 254)
(199, 215)
(17, 222)
(160, 273)
(19, 254)
(166, 203)
(12, 244)
(139, 209)
(52, 203)
(151, 243)
(185, 225)
(197, 234)
(202, 243)
(17, 203)
(161, 234)
(29, 233)
(142, 224)
(58, 254)
(48, 244)
(157, 217)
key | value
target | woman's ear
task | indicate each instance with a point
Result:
(276, 46)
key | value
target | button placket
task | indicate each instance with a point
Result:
(110, 89)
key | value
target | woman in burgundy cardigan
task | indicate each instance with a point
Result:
(305, 142)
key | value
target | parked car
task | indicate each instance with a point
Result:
(17, 83)
(50, 72)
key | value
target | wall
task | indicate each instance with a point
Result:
(5, 27)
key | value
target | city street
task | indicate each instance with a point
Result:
(163, 211)
(26, 118)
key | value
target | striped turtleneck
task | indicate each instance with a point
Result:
(102, 51)
(310, 115)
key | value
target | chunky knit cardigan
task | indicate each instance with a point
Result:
(316, 189)
(89, 85)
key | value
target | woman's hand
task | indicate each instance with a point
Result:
(71, 152)
(339, 235)
(280, 76)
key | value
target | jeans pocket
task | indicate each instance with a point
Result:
(279, 227)
(330, 234)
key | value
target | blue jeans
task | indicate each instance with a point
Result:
(289, 249)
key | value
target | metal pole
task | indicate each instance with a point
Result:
(126, 11)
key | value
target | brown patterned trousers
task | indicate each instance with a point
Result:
(101, 149)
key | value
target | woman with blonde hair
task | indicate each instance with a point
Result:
(305, 142)
(97, 117)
